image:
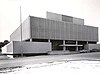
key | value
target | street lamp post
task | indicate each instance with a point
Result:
(21, 31)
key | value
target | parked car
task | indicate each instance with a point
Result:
(84, 51)
(95, 50)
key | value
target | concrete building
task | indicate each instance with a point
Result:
(64, 32)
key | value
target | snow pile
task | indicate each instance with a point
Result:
(62, 67)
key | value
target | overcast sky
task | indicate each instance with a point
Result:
(10, 12)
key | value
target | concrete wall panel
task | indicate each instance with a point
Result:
(16, 35)
(60, 17)
(34, 27)
(92, 46)
(83, 33)
(54, 16)
(41, 28)
(26, 29)
(67, 18)
(57, 30)
(78, 21)
(46, 36)
(51, 29)
(62, 30)
(67, 31)
(8, 49)
(17, 47)
(31, 47)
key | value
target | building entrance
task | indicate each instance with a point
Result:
(70, 48)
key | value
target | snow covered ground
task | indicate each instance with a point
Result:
(59, 67)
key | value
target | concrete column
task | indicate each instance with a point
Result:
(87, 42)
(76, 46)
(30, 39)
(49, 40)
(76, 42)
(64, 48)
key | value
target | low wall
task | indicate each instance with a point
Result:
(17, 47)
(92, 46)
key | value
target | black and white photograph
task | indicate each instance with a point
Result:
(49, 36)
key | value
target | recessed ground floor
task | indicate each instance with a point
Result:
(64, 45)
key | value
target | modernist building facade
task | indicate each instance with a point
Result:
(64, 32)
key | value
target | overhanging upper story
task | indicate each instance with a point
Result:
(41, 28)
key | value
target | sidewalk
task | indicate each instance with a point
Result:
(22, 61)
(63, 52)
